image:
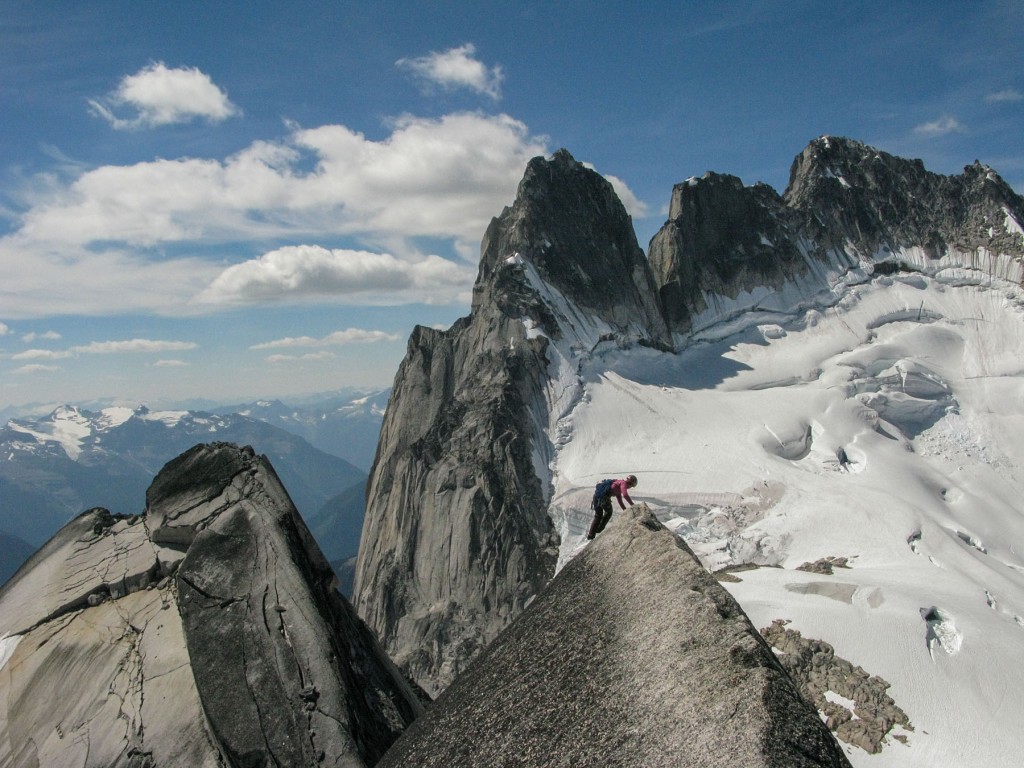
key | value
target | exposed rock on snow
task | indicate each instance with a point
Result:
(825, 565)
(633, 655)
(208, 633)
(860, 712)
(721, 239)
(465, 501)
(843, 190)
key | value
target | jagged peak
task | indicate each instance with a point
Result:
(881, 198)
(563, 156)
(570, 225)
(66, 411)
(713, 185)
(831, 160)
(544, 175)
(851, 163)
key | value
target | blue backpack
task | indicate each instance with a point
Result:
(601, 491)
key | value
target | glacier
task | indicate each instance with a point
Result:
(919, 380)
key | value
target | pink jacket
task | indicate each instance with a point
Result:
(620, 489)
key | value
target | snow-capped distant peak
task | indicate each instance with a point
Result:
(113, 417)
(66, 426)
(170, 418)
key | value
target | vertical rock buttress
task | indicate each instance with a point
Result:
(457, 537)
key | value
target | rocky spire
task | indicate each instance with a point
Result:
(721, 238)
(457, 535)
(727, 248)
(206, 633)
(569, 224)
(633, 655)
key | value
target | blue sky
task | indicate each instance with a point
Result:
(251, 199)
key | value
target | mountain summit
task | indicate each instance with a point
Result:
(727, 248)
(572, 231)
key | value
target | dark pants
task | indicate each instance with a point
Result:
(602, 515)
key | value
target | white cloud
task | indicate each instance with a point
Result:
(45, 279)
(28, 338)
(132, 345)
(105, 348)
(100, 243)
(1007, 94)
(278, 359)
(310, 271)
(941, 127)
(169, 363)
(338, 338)
(4, 330)
(436, 178)
(28, 370)
(456, 68)
(41, 354)
(158, 95)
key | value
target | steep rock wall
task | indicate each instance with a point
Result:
(848, 208)
(457, 536)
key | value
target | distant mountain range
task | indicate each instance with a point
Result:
(56, 466)
(343, 425)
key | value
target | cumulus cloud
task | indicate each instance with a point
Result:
(456, 68)
(43, 279)
(158, 95)
(941, 127)
(41, 354)
(28, 338)
(105, 348)
(310, 356)
(124, 238)
(1007, 94)
(442, 177)
(338, 338)
(28, 370)
(310, 271)
(132, 345)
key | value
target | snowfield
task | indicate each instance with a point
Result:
(886, 426)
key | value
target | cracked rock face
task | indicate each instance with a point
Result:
(206, 633)
(633, 655)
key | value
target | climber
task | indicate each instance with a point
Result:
(602, 503)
